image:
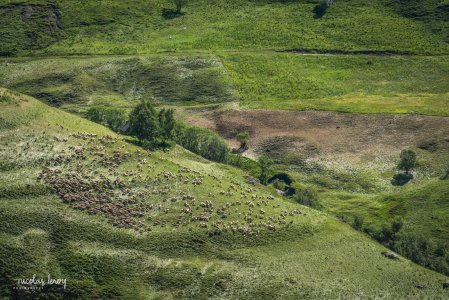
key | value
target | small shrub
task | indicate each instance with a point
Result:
(321, 8)
(279, 184)
(179, 4)
(265, 169)
(307, 196)
(201, 141)
(243, 138)
(357, 223)
(6, 99)
(407, 160)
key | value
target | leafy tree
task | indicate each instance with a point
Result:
(243, 138)
(115, 118)
(215, 149)
(112, 117)
(144, 123)
(167, 123)
(201, 141)
(385, 235)
(265, 164)
(407, 160)
(94, 114)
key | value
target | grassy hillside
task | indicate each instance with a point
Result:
(224, 51)
(78, 201)
(96, 240)
(344, 83)
(350, 161)
(76, 84)
(433, 13)
(56, 27)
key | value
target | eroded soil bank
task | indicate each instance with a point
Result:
(310, 134)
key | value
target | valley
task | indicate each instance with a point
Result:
(279, 175)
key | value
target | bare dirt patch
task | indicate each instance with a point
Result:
(309, 134)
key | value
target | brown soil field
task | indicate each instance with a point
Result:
(339, 137)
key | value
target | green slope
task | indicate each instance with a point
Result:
(226, 53)
(262, 80)
(155, 255)
(343, 83)
(76, 84)
(115, 27)
(433, 13)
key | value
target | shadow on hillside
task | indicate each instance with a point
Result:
(320, 10)
(171, 13)
(401, 179)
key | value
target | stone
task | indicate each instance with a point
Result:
(390, 255)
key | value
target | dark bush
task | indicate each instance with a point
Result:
(418, 248)
(357, 223)
(201, 141)
(111, 117)
(306, 196)
(321, 8)
(244, 163)
(265, 164)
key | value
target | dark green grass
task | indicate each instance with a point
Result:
(117, 27)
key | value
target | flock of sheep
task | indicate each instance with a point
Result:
(138, 191)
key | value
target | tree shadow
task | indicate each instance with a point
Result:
(134, 141)
(401, 179)
(320, 10)
(168, 13)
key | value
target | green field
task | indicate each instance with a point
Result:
(357, 84)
